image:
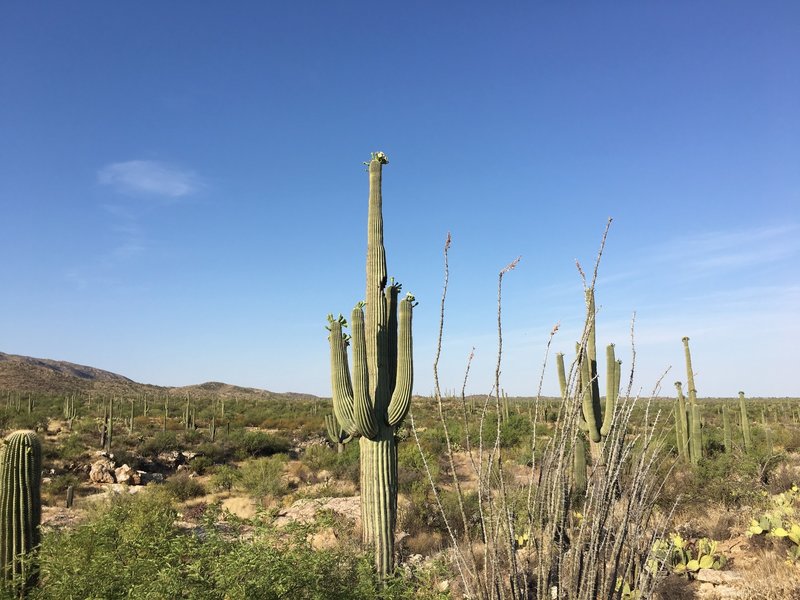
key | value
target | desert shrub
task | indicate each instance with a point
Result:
(132, 549)
(318, 458)
(224, 477)
(264, 476)
(163, 441)
(515, 429)
(192, 437)
(60, 483)
(72, 447)
(257, 443)
(200, 464)
(182, 487)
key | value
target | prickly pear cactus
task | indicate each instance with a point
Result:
(20, 507)
(374, 401)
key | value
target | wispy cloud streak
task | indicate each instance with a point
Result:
(149, 177)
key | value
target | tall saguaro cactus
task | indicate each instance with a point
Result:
(373, 403)
(20, 507)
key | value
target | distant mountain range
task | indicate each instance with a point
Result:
(46, 376)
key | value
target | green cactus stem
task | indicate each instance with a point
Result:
(681, 424)
(374, 401)
(695, 434)
(748, 443)
(20, 508)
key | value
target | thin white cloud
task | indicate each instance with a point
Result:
(729, 250)
(149, 177)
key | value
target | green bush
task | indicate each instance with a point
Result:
(133, 550)
(163, 441)
(257, 443)
(264, 476)
(182, 487)
(224, 477)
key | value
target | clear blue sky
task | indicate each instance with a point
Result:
(183, 196)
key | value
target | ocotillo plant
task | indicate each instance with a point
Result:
(20, 508)
(695, 434)
(375, 401)
(336, 434)
(745, 423)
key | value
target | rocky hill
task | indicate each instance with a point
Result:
(46, 376)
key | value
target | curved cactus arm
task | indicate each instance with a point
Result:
(612, 389)
(363, 412)
(336, 434)
(340, 375)
(401, 397)
(332, 428)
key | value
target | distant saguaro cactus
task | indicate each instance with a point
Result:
(695, 433)
(20, 508)
(597, 421)
(681, 424)
(748, 444)
(375, 401)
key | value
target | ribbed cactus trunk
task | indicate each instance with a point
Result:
(20, 508)
(373, 403)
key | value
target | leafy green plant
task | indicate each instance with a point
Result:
(687, 556)
(780, 521)
(264, 476)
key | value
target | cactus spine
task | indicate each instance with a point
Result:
(745, 423)
(20, 507)
(375, 401)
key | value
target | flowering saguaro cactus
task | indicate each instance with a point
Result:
(373, 403)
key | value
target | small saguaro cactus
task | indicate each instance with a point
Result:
(20, 507)
(695, 434)
(681, 424)
(595, 419)
(748, 444)
(375, 401)
(726, 429)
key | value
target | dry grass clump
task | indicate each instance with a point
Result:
(768, 577)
